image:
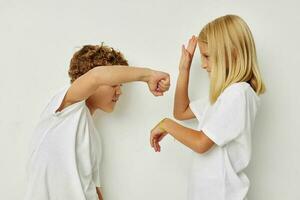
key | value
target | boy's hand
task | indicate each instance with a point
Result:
(187, 54)
(157, 134)
(158, 82)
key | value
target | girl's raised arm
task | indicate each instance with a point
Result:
(181, 109)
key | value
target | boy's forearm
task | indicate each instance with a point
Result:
(114, 75)
(181, 101)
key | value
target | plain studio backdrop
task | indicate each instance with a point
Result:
(38, 39)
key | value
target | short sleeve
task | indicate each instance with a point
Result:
(96, 177)
(198, 107)
(56, 101)
(227, 119)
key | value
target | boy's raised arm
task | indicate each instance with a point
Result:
(84, 86)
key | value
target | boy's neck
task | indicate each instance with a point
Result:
(91, 108)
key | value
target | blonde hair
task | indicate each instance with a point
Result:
(232, 55)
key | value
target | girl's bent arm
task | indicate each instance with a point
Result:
(195, 140)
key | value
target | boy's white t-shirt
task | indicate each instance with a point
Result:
(65, 154)
(218, 173)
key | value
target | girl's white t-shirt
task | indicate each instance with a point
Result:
(218, 173)
(65, 154)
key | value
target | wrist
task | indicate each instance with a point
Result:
(184, 70)
(185, 65)
(146, 74)
(162, 124)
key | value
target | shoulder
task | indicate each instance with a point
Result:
(238, 90)
(56, 100)
(59, 95)
(239, 94)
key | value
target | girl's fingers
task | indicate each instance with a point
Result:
(151, 140)
(192, 43)
(155, 145)
(158, 147)
(154, 141)
(182, 48)
(192, 47)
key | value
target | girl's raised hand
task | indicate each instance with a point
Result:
(187, 54)
(157, 134)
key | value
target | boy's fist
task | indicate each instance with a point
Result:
(158, 83)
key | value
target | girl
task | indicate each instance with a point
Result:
(65, 152)
(222, 142)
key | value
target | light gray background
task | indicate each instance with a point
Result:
(38, 39)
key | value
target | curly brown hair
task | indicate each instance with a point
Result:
(90, 56)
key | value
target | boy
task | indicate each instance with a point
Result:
(66, 148)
